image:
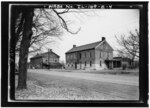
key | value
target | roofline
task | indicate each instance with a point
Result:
(102, 42)
(79, 50)
(99, 44)
(55, 54)
(84, 45)
(36, 57)
(40, 55)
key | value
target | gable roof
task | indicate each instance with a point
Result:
(36, 56)
(84, 47)
(110, 48)
(42, 54)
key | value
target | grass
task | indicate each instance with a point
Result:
(38, 91)
(61, 88)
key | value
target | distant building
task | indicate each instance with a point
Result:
(119, 61)
(45, 60)
(97, 55)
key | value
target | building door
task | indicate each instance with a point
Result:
(107, 64)
(80, 65)
(111, 65)
(75, 65)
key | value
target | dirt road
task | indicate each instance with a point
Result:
(118, 79)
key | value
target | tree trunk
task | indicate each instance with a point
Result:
(12, 54)
(24, 47)
(132, 62)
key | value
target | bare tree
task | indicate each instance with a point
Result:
(129, 45)
(24, 46)
(46, 23)
(32, 27)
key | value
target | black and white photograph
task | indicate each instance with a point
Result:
(85, 52)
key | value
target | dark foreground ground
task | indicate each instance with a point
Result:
(55, 85)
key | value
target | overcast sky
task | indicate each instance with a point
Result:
(96, 24)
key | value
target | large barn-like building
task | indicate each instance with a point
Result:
(97, 55)
(45, 60)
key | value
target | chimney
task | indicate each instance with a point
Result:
(50, 50)
(74, 46)
(103, 38)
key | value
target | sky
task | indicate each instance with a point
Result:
(94, 25)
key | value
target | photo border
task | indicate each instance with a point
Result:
(143, 68)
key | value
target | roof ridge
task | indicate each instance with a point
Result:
(48, 52)
(88, 44)
(41, 54)
(84, 47)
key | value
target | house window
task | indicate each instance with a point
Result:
(80, 55)
(85, 63)
(68, 56)
(46, 61)
(90, 63)
(90, 54)
(74, 56)
(100, 55)
(107, 55)
(71, 56)
(100, 63)
(104, 55)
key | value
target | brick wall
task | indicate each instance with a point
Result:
(52, 58)
(36, 63)
(81, 60)
(102, 53)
